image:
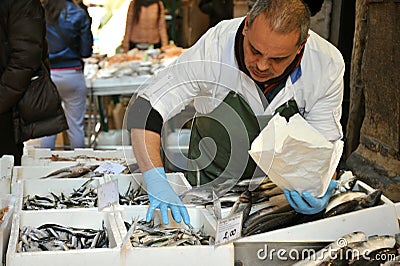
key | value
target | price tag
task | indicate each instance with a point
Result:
(229, 229)
(107, 194)
(110, 168)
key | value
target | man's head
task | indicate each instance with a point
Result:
(275, 31)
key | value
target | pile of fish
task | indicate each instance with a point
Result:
(150, 235)
(133, 196)
(83, 197)
(269, 216)
(57, 237)
(357, 249)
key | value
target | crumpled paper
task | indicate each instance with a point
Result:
(295, 156)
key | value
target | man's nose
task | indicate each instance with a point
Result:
(263, 64)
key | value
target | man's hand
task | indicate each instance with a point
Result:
(309, 204)
(162, 196)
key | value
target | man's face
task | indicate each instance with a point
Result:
(267, 53)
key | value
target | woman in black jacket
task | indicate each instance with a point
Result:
(23, 48)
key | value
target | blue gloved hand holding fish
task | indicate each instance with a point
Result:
(308, 204)
(162, 196)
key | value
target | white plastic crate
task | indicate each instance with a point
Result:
(378, 220)
(5, 224)
(39, 156)
(43, 187)
(6, 166)
(179, 255)
(78, 218)
(39, 171)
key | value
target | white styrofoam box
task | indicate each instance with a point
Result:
(43, 187)
(77, 218)
(378, 220)
(34, 172)
(179, 255)
(40, 156)
(6, 166)
(5, 224)
(397, 205)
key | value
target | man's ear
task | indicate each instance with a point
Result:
(246, 24)
(303, 44)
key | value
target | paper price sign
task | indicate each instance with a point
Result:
(229, 229)
(107, 194)
(110, 168)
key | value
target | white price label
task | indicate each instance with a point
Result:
(229, 229)
(110, 168)
(107, 194)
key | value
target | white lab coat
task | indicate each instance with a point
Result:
(208, 70)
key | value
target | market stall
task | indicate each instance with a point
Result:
(121, 74)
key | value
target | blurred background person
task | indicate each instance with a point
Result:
(23, 50)
(145, 25)
(217, 10)
(70, 39)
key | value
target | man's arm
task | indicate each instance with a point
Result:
(146, 146)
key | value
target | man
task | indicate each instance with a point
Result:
(23, 50)
(239, 74)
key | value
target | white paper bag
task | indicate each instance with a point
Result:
(295, 155)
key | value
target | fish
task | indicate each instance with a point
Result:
(337, 199)
(243, 204)
(377, 257)
(373, 243)
(150, 235)
(51, 237)
(270, 222)
(346, 182)
(325, 254)
(358, 203)
(72, 171)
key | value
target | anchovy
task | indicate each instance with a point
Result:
(150, 235)
(58, 237)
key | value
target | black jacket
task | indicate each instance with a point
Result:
(23, 48)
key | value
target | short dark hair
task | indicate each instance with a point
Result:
(284, 16)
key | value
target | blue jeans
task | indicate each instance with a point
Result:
(72, 88)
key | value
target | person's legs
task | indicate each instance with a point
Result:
(8, 146)
(72, 88)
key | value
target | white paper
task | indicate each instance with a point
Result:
(295, 155)
(109, 167)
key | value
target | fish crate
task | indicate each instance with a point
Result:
(41, 171)
(397, 206)
(77, 218)
(44, 157)
(44, 187)
(378, 220)
(6, 167)
(174, 255)
(6, 201)
(34, 173)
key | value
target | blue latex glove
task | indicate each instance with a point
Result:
(162, 196)
(309, 204)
